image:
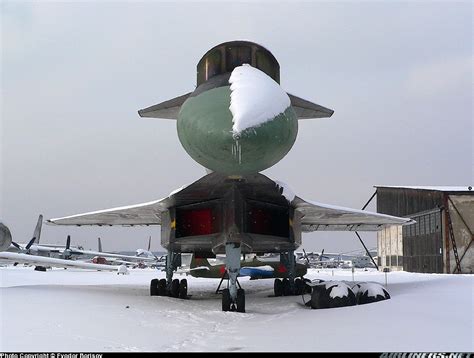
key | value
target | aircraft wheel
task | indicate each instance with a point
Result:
(278, 287)
(299, 286)
(226, 301)
(161, 289)
(286, 287)
(40, 268)
(240, 300)
(183, 288)
(154, 287)
(174, 288)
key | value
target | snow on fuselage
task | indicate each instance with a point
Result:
(244, 122)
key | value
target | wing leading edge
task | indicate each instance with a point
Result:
(312, 216)
(323, 217)
(140, 214)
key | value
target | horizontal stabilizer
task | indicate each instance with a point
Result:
(167, 110)
(306, 109)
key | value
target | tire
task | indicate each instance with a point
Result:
(183, 289)
(299, 286)
(153, 287)
(174, 288)
(319, 297)
(240, 300)
(363, 294)
(226, 302)
(348, 300)
(307, 288)
(278, 287)
(161, 289)
(286, 287)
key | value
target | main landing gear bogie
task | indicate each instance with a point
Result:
(283, 287)
(177, 289)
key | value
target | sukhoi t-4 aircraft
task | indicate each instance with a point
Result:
(236, 123)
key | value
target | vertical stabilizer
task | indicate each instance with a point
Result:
(100, 244)
(37, 232)
(149, 243)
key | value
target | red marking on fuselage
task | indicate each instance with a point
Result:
(222, 270)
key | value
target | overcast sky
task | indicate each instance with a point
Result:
(74, 74)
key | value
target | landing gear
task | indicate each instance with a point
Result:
(233, 299)
(299, 286)
(168, 286)
(240, 300)
(278, 287)
(283, 287)
(183, 289)
(161, 290)
(238, 305)
(226, 300)
(154, 287)
(174, 292)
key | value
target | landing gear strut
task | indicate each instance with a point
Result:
(233, 299)
(288, 286)
(168, 286)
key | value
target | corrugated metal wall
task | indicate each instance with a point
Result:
(425, 243)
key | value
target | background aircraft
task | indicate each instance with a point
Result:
(41, 262)
(237, 122)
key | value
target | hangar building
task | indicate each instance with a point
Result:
(441, 241)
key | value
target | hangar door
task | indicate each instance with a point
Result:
(423, 243)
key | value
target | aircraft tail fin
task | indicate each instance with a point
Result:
(149, 243)
(100, 244)
(37, 232)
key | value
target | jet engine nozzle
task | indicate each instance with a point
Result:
(5, 237)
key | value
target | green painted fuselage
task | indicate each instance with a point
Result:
(205, 130)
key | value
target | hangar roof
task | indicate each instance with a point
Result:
(432, 188)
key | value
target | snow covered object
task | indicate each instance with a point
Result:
(368, 292)
(332, 294)
(243, 126)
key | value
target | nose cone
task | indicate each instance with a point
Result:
(207, 132)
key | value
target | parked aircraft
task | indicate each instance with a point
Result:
(41, 262)
(237, 122)
(101, 255)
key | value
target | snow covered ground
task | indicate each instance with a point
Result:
(79, 310)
